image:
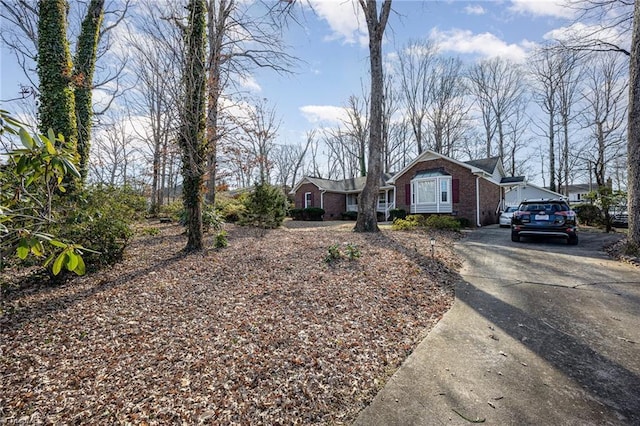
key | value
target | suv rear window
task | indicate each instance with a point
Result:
(552, 207)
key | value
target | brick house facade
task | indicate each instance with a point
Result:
(431, 184)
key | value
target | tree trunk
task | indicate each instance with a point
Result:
(56, 109)
(192, 135)
(368, 203)
(633, 133)
(84, 67)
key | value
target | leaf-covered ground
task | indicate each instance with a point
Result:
(261, 332)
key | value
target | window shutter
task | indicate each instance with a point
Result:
(455, 189)
(407, 194)
(312, 194)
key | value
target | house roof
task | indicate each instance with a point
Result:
(580, 187)
(512, 180)
(487, 164)
(552, 194)
(345, 186)
(484, 167)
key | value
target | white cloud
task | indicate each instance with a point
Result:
(250, 83)
(317, 114)
(486, 45)
(580, 31)
(345, 19)
(475, 9)
(554, 8)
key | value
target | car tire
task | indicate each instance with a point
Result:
(572, 240)
(515, 237)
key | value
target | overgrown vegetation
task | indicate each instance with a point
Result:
(428, 222)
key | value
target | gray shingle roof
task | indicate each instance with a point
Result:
(346, 185)
(486, 164)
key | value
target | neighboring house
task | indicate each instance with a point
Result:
(528, 191)
(578, 192)
(432, 183)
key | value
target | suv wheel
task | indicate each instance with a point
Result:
(572, 240)
(515, 237)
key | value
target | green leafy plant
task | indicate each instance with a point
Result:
(221, 240)
(333, 253)
(150, 231)
(352, 251)
(29, 184)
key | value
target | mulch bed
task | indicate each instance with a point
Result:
(264, 331)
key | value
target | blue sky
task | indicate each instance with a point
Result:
(331, 42)
(335, 52)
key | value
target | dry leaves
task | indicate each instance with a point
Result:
(261, 332)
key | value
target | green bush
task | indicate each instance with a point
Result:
(211, 219)
(442, 222)
(221, 240)
(589, 214)
(464, 222)
(349, 215)
(266, 207)
(296, 214)
(172, 210)
(397, 214)
(313, 213)
(100, 218)
(230, 208)
(404, 225)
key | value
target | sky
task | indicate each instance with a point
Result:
(331, 43)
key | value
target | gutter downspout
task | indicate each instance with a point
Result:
(478, 202)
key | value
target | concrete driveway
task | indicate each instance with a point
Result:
(540, 333)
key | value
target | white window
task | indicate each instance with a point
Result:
(431, 193)
(444, 190)
(425, 191)
(307, 200)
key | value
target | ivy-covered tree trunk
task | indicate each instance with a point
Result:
(633, 133)
(85, 62)
(368, 204)
(57, 106)
(192, 138)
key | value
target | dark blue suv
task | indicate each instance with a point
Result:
(552, 218)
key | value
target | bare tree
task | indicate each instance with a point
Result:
(569, 79)
(157, 56)
(240, 40)
(545, 73)
(414, 68)
(605, 113)
(498, 86)
(114, 154)
(447, 105)
(258, 134)
(367, 207)
(288, 160)
(356, 130)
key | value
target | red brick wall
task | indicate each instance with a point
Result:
(466, 207)
(315, 197)
(489, 199)
(334, 204)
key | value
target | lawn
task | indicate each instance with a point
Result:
(264, 331)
